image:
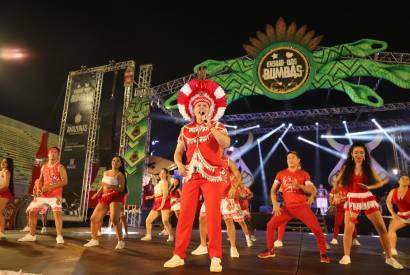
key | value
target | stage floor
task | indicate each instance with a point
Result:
(298, 256)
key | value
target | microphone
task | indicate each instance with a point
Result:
(202, 114)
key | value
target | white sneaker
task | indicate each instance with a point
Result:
(174, 262)
(335, 242)
(278, 243)
(215, 265)
(248, 241)
(25, 229)
(120, 245)
(44, 230)
(200, 250)
(163, 233)
(392, 262)
(327, 246)
(27, 238)
(234, 252)
(356, 242)
(253, 238)
(2, 235)
(170, 238)
(146, 238)
(60, 239)
(394, 252)
(92, 243)
(345, 260)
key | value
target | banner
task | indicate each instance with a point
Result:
(76, 132)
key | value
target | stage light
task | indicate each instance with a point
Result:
(395, 171)
(347, 132)
(290, 124)
(324, 148)
(403, 128)
(317, 123)
(235, 132)
(344, 121)
(263, 176)
(373, 120)
(12, 54)
(258, 126)
(401, 150)
(231, 126)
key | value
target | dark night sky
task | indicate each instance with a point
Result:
(173, 38)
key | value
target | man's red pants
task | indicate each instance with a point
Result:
(212, 193)
(303, 213)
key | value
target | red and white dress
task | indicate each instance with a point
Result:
(158, 198)
(111, 196)
(6, 194)
(175, 200)
(359, 198)
(52, 198)
(403, 205)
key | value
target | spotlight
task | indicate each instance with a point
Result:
(395, 171)
(290, 124)
(258, 126)
(373, 120)
(283, 124)
(344, 121)
(322, 136)
(299, 137)
(317, 123)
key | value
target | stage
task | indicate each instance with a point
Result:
(298, 256)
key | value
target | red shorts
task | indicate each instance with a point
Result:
(157, 204)
(6, 194)
(109, 197)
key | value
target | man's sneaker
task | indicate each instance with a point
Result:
(266, 254)
(356, 242)
(60, 239)
(324, 259)
(174, 262)
(170, 238)
(25, 229)
(146, 238)
(163, 233)
(200, 250)
(345, 260)
(248, 241)
(394, 252)
(120, 245)
(28, 238)
(234, 252)
(334, 242)
(278, 243)
(253, 238)
(92, 243)
(392, 262)
(44, 230)
(215, 265)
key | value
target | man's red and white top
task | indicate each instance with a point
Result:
(358, 197)
(51, 175)
(203, 152)
(293, 197)
(403, 205)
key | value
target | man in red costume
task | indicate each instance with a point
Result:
(203, 140)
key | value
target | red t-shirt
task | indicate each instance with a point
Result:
(51, 175)
(293, 197)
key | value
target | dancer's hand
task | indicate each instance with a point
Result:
(182, 170)
(311, 199)
(363, 186)
(276, 210)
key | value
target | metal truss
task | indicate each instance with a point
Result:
(113, 66)
(323, 127)
(311, 113)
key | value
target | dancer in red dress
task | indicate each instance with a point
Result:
(295, 185)
(203, 140)
(6, 189)
(359, 178)
(340, 214)
(399, 196)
